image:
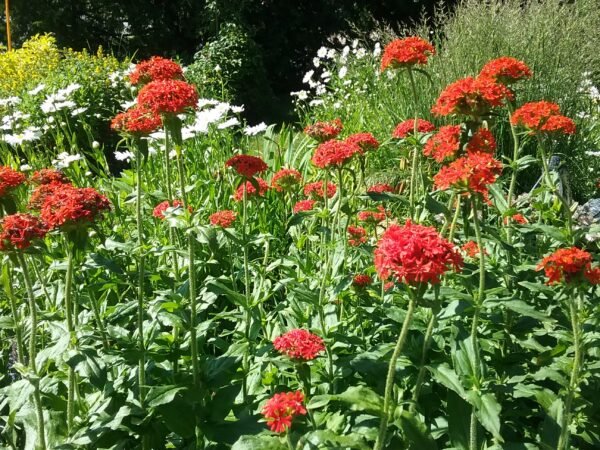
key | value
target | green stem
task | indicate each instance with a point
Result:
(516, 151)
(70, 330)
(389, 383)
(141, 276)
(288, 439)
(247, 312)
(15, 313)
(39, 412)
(455, 219)
(424, 352)
(416, 153)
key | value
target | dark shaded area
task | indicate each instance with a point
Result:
(286, 34)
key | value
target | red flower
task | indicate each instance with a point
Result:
(286, 179)
(138, 120)
(304, 205)
(68, 207)
(406, 52)
(223, 219)
(472, 173)
(415, 254)
(567, 265)
(247, 165)
(282, 408)
(324, 131)
(505, 70)
(48, 176)
(9, 179)
(159, 210)
(373, 217)
(155, 68)
(263, 187)
(519, 218)
(445, 144)
(17, 231)
(407, 127)
(482, 141)
(542, 117)
(168, 96)
(356, 236)
(388, 286)
(380, 188)
(334, 154)
(472, 249)
(364, 141)
(472, 97)
(38, 196)
(299, 344)
(315, 190)
(361, 281)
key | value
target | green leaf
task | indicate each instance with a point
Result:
(258, 443)
(520, 307)
(499, 199)
(458, 412)
(487, 409)
(326, 439)
(219, 288)
(161, 395)
(538, 287)
(446, 376)
(362, 398)
(436, 207)
(416, 432)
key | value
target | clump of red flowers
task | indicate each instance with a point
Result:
(299, 344)
(569, 265)
(372, 217)
(155, 68)
(159, 210)
(380, 188)
(364, 141)
(304, 205)
(281, 409)
(67, 206)
(361, 281)
(168, 96)
(18, 231)
(324, 131)
(445, 144)
(471, 173)
(315, 190)
(406, 52)
(542, 117)
(9, 179)
(137, 120)
(415, 254)
(356, 236)
(286, 179)
(247, 165)
(334, 154)
(48, 176)
(223, 219)
(251, 191)
(39, 194)
(470, 96)
(505, 70)
(518, 218)
(472, 249)
(482, 141)
(407, 127)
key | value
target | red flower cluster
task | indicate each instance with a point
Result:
(505, 70)
(38, 196)
(315, 190)
(138, 120)
(406, 52)
(472, 173)
(282, 408)
(482, 141)
(372, 217)
(356, 236)
(247, 165)
(364, 141)
(9, 179)
(415, 254)
(168, 96)
(299, 344)
(304, 205)
(324, 131)
(361, 281)
(380, 188)
(568, 265)
(48, 176)
(471, 97)
(334, 154)
(67, 206)
(155, 68)
(542, 117)
(263, 187)
(159, 210)
(445, 144)
(223, 219)
(472, 249)
(286, 179)
(17, 231)
(407, 127)
(519, 218)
